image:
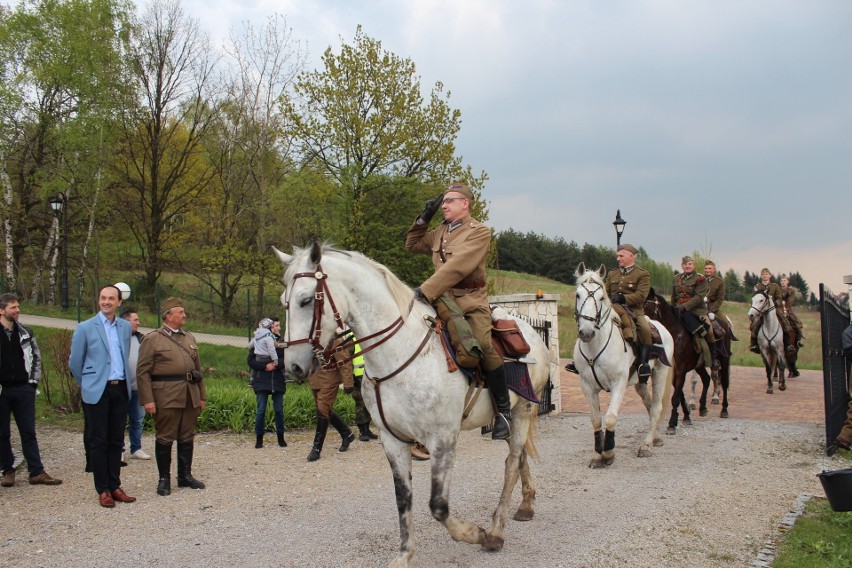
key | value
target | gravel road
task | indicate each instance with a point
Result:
(711, 496)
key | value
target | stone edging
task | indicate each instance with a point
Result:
(767, 554)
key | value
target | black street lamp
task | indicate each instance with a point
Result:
(59, 204)
(619, 227)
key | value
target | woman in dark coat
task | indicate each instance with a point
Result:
(268, 380)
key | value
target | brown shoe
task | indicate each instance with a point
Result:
(122, 497)
(841, 443)
(419, 452)
(8, 478)
(106, 500)
(44, 479)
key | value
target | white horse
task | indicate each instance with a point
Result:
(410, 393)
(770, 338)
(605, 360)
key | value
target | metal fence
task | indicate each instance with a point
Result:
(542, 327)
(834, 318)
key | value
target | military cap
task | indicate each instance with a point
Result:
(459, 187)
(629, 248)
(766, 270)
(170, 303)
(686, 259)
(783, 277)
(709, 262)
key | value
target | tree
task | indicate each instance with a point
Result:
(161, 163)
(363, 115)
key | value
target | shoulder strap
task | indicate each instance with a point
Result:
(176, 342)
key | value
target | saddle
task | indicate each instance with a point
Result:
(655, 335)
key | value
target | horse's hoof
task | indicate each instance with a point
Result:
(692, 406)
(524, 514)
(687, 421)
(782, 387)
(597, 463)
(493, 543)
(714, 401)
(671, 431)
(723, 414)
(644, 453)
(769, 390)
(702, 412)
(658, 441)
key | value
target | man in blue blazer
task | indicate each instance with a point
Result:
(99, 362)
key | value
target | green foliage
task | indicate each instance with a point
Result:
(819, 539)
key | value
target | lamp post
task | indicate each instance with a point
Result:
(619, 227)
(59, 204)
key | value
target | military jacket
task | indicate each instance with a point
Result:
(788, 296)
(163, 353)
(774, 291)
(688, 291)
(635, 285)
(459, 258)
(716, 294)
(342, 374)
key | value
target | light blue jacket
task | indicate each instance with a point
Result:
(90, 361)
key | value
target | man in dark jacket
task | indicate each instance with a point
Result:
(268, 380)
(20, 371)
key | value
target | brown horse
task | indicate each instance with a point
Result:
(686, 359)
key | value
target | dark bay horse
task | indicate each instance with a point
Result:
(687, 359)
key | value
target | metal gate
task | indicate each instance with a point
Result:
(542, 327)
(833, 320)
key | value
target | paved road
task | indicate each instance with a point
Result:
(60, 323)
(802, 402)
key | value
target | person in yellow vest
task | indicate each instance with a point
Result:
(362, 415)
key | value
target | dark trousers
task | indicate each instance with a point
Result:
(277, 407)
(105, 421)
(19, 400)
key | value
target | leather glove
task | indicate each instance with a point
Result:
(712, 316)
(618, 299)
(432, 207)
(418, 295)
(348, 390)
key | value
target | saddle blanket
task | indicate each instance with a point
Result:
(517, 374)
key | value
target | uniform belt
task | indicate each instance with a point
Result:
(115, 382)
(470, 284)
(684, 300)
(185, 377)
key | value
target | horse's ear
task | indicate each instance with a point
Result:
(602, 271)
(651, 292)
(285, 259)
(581, 269)
(316, 252)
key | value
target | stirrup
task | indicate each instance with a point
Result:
(572, 368)
(644, 372)
(502, 429)
(754, 348)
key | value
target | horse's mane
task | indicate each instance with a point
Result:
(400, 292)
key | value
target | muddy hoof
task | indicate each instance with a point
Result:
(702, 412)
(492, 543)
(644, 453)
(524, 515)
(687, 421)
(782, 386)
(658, 441)
(723, 414)
(769, 390)
(671, 430)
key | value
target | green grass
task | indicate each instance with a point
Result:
(819, 539)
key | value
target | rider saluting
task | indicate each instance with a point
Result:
(688, 292)
(459, 248)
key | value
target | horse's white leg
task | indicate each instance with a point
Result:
(692, 396)
(511, 472)
(654, 405)
(593, 400)
(610, 420)
(526, 510)
(399, 457)
(442, 454)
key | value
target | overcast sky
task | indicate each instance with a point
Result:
(723, 127)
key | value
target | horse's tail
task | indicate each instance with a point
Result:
(530, 446)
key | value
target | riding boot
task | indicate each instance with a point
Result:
(644, 370)
(496, 380)
(319, 438)
(800, 342)
(345, 431)
(711, 344)
(366, 434)
(184, 455)
(163, 454)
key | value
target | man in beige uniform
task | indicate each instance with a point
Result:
(788, 299)
(324, 385)
(171, 388)
(628, 286)
(688, 291)
(773, 290)
(459, 248)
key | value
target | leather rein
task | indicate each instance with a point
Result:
(598, 321)
(325, 354)
(767, 307)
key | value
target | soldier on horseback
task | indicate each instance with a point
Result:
(788, 298)
(688, 293)
(459, 248)
(773, 291)
(714, 299)
(627, 287)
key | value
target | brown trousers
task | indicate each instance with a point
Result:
(479, 319)
(643, 328)
(176, 424)
(325, 398)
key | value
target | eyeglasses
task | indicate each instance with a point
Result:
(451, 199)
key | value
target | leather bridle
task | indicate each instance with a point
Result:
(599, 316)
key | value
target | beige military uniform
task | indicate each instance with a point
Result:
(774, 291)
(788, 299)
(716, 295)
(689, 291)
(459, 252)
(164, 376)
(635, 284)
(325, 384)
